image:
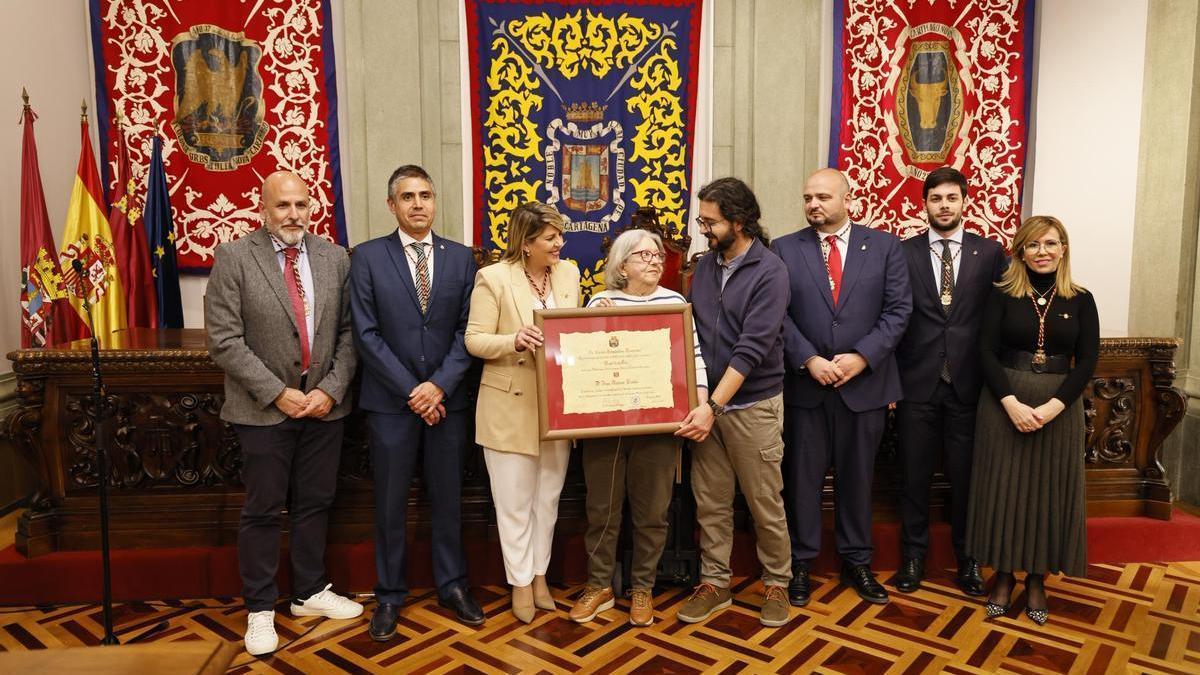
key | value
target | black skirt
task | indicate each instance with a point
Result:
(1028, 506)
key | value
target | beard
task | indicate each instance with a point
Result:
(822, 219)
(290, 237)
(722, 244)
(948, 227)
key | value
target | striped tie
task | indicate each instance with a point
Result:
(295, 289)
(422, 275)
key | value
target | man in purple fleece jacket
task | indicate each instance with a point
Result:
(739, 298)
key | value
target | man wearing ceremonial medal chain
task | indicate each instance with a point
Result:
(952, 274)
(850, 303)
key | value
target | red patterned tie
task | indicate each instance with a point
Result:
(295, 291)
(833, 263)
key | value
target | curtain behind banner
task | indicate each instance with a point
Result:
(236, 90)
(928, 84)
(588, 107)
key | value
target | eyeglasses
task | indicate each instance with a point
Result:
(649, 256)
(1050, 246)
(706, 224)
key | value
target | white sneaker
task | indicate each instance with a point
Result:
(327, 604)
(260, 633)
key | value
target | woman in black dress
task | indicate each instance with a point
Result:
(1040, 341)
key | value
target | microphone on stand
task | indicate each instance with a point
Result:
(99, 428)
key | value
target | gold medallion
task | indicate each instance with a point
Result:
(1039, 358)
(946, 299)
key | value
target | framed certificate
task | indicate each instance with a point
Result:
(615, 371)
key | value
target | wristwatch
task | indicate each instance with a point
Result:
(717, 408)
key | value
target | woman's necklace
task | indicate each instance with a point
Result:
(1040, 298)
(1041, 307)
(541, 290)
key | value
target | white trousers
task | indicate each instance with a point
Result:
(525, 490)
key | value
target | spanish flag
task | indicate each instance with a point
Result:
(88, 239)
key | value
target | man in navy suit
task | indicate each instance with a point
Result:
(849, 306)
(952, 274)
(410, 293)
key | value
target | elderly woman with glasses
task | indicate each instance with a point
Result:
(1039, 344)
(640, 467)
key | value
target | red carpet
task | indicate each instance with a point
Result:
(146, 574)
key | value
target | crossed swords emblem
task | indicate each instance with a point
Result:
(500, 30)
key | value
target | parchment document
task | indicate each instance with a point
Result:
(617, 370)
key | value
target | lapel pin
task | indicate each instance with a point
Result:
(864, 247)
(1066, 316)
(974, 252)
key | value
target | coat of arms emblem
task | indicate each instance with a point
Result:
(219, 107)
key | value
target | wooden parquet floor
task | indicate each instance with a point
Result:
(1141, 618)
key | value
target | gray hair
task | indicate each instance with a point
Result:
(619, 254)
(407, 171)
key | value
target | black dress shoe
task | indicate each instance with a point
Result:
(864, 583)
(465, 608)
(383, 622)
(798, 587)
(908, 579)
(969, 578)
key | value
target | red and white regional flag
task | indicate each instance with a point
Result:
(46, 317)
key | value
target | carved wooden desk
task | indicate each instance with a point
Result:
(175, 465)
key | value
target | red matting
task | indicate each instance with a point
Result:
(553, 328)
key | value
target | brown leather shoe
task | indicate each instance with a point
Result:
(641, 607)
(590, 603)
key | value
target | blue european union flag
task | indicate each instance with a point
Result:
(160, 239)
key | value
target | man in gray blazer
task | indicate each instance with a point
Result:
(278, 320)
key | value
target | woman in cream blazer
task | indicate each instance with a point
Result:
(526, 474)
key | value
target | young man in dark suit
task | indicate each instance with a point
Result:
(952, 274)
(410, 293)
(849, 306)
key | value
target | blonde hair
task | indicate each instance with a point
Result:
(526, 223)
(1015, 281)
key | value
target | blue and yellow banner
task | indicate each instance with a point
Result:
(588, 107)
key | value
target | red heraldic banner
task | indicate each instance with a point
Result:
(236, 90)
(920, 85)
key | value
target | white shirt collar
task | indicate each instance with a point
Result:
(408, 241)
(843, 233)
(934, 237)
